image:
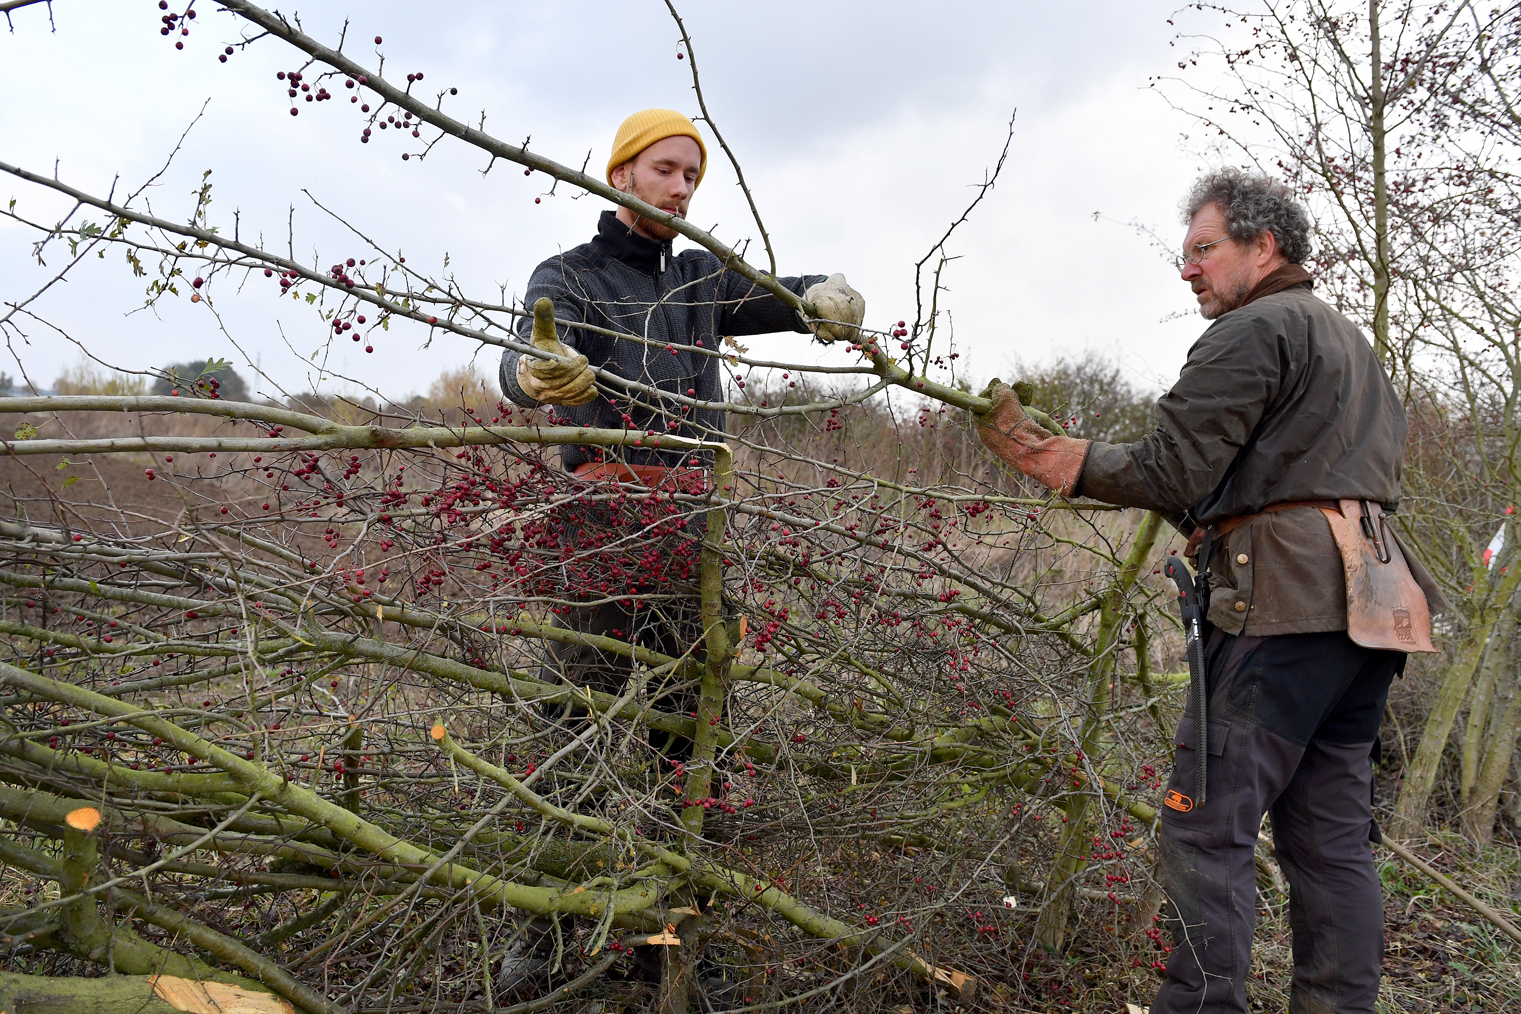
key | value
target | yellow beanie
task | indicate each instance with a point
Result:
(646, 127)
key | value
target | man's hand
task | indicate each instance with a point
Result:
(547, 381)
(841, 308)
(1019, 441)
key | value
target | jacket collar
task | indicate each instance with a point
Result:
(1284, 277)
(628, 246)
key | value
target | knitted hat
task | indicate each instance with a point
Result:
(646, 127)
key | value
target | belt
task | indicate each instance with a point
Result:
(1230, 524)
(653, 476)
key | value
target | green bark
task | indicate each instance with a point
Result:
(1073, 845)
(1410, 810)
(118, 994)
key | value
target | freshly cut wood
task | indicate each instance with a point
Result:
(215, 997)
(131, 994)
(86, 819)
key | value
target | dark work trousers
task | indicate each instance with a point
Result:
(668, 619)
(671, 627)
(1292, 723)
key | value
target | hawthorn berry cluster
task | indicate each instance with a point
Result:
(178, 23)
(298, 87)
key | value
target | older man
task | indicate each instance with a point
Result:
(655, 320)
(1281, 417)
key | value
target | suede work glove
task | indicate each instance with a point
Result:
(841, 308)
(548, 381)
(1023, 444)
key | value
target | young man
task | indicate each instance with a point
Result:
(1281, 413)
(667, 313)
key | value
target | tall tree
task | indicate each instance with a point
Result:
(1398, 123)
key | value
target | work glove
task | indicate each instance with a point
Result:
(841, 307)
(549, 381)
(1023, 444)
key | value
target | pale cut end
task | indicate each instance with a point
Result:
(86, 818)
(437, 732)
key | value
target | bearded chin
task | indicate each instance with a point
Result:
(653, 229)
(1234, 300)
(656, 230)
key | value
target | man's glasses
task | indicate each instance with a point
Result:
(1197, 252)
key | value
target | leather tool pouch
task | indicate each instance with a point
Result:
(1385, 607)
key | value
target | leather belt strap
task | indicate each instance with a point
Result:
(653, 476)
(1228, 525)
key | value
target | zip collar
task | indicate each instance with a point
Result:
(623, 243)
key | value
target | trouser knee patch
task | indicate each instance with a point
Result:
(1302, 1002)
(1180, 879)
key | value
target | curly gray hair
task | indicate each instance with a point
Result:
(1252, 204)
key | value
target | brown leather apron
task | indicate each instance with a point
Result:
(1385, 607)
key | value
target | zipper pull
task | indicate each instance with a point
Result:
(662, 260)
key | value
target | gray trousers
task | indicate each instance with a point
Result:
(1292, 723)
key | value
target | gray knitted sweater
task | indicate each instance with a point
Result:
(676, 303)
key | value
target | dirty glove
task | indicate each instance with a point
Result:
(1019, 441)
(841, 307)
(548, 381)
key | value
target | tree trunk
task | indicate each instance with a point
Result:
(1485, 798)
(118, 994)
(1484, 701)
(1074, 844)
(1379, 135)
(1410, 811)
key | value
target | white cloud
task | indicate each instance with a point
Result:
(860, 126)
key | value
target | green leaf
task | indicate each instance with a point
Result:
(311, 297)
(26, 432)
(70, 481)
(94, 588)
(65, 463)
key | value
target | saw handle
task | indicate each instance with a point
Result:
(1188, 594)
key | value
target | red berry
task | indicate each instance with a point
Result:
(294, 111)
(377, 40)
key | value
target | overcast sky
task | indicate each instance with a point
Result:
(861, 127)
